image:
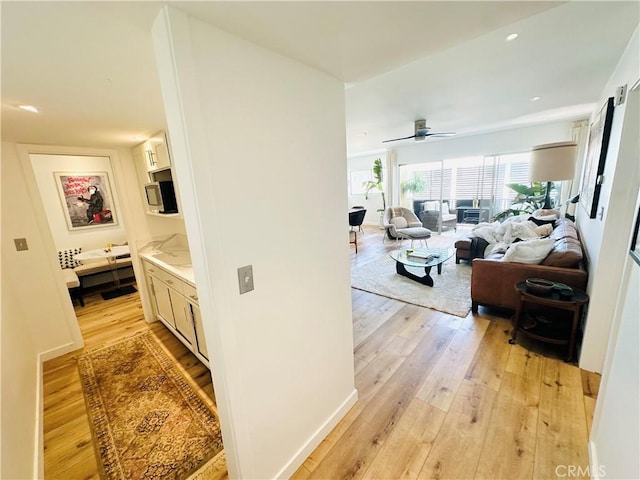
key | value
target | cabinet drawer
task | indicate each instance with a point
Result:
(171, 280)
(190, 292)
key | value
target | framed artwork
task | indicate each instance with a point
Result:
(86, 199)
(635, 241)
(596, 155)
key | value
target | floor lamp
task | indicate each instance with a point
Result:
(552, 162)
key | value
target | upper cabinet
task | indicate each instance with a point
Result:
(154, 153)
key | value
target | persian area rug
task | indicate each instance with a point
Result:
(451, 292)
(147, 421)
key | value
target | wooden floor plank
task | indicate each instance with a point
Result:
(562, 424)
(590, 383)
(456, 450)
(383, 412)
(406, 449)
(374, 344)
(442, 384)
(373, 378)
(491, 358)
(524, 363)
(510, 443)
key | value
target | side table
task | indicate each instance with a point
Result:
(554, 332)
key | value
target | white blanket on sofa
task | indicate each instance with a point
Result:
(533, 244)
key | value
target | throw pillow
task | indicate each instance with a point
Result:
(430, 206)
(399, 222)
(529, 251)
(65, 257)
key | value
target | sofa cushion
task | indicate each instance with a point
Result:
(564, 230)
(66, 257)
(566, 252)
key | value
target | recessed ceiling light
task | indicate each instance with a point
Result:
(534, 99)
(28, 108)
(512, 36)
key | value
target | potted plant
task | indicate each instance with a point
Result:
(415, 184)
(529, 198)
(377, 183)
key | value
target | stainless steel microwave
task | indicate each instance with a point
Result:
(161, 197)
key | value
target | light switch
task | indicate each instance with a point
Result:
(245, 279)
(21, 244)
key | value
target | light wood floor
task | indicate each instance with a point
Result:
(440, 397)
(443, 397)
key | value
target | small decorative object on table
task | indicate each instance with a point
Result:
(565, 292)
(539, 286)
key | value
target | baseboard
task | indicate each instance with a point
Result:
(594, 466)
(38, 451)
(56, 352)
(301, 455)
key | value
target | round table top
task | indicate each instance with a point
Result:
(578, 295)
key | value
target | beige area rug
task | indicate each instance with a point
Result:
(147, 421)
(451, 292)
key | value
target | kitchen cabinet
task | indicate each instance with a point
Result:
(153, 154)
(191, 296)
(175, 303)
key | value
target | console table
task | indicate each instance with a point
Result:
(557, 331)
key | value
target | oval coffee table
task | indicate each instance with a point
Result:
(435, 257)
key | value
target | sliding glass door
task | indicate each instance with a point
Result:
(474, 188)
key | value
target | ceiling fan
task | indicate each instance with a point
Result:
(422, 132)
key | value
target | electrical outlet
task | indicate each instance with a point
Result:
(21, 244)
(245, 279)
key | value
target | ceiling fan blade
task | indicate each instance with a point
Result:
(396, 139)
(441, 134)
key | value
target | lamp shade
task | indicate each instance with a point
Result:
(553, 162)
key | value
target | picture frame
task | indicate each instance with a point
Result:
(634, 249)
(597, 147)
(86, 199)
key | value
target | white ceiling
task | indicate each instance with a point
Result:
(89, 66)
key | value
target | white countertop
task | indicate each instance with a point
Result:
(177, 263)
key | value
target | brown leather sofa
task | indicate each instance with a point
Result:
(493, 281)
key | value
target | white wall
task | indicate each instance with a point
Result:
(606, 238)
(37, 315)
(251, 166)
(44, 166)
(19, 387)
(615, 434)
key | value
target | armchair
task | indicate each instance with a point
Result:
(400, 223)
(435, 215)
